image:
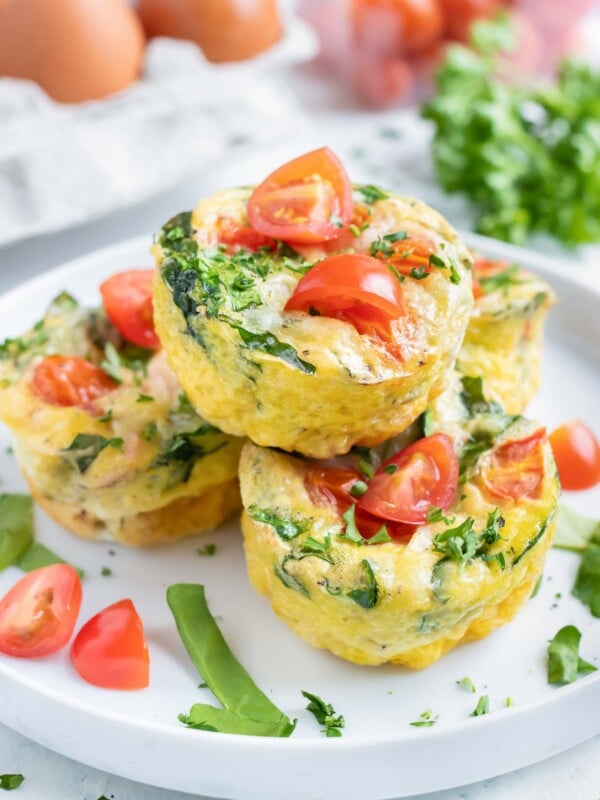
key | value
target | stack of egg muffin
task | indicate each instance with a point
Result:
(395, 501)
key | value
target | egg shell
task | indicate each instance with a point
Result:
(225, 30)
(359, 392)
(76, 50)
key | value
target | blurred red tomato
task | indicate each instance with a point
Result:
(382, 81)
(397, 27)
(459, 15)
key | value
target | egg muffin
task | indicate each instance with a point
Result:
(401, 552)
(106, 439)
(287, 342)
(503, 342)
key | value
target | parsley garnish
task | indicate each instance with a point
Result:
(426, 720)
(482, 707)
(358, 489)
(437, 515)
(564, 662)
(508, 277)
(88, 447)
(112, 363)
(312, 547)
(8, 781)
(466, 683)
(150, 431)
(107, 417)
(351, 533)
(463, 543)
(418, 273)
(105, 571)
(207, 550)
(325, 715)
(144, 398)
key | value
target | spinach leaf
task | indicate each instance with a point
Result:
(367, 593)
(575, 531)
(564, 662)
(268, 343)
(16, 527)
(38, 555)
(288, 580)
(10, 781)
(587, 582)
(285, 526)
(86, 447)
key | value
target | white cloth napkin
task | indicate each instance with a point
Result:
(64, 164)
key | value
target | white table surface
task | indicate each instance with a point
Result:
(364, 142)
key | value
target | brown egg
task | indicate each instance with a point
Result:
(76, 50)
(226, 30)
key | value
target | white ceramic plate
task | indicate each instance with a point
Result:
(137, 735)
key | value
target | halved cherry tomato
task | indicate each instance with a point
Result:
(369, 525)
(38, 614)
(127, 298)
(70, 381)
(577, 453)
(110, 650)
(355, 288)
(515, 470)
(306, 200)
(422, 476)
(332, 485)
(408, 254)
(242, 237)
(461, 14)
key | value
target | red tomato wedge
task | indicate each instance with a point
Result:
(38, 614)
(127, 298)
(515, 470)
(331, 485)
(110, 650)
(307, 200)
(70, 381)
(577, 453)
(242, 237)
(354, 288)
(422, 476)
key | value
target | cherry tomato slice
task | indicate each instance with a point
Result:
(331, 485)
(577, 453)
(422, 476)
(355, 288)
(70, 381)
(515, 470)
(38, 614)
(110, 650)
(306, 200)
(242, 237)
(127, 298)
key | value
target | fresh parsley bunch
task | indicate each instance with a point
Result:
(527, 157)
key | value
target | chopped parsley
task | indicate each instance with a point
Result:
(150, 431)
(463, 543)
(371, 194)
(358, 489)
(466, 683)
(437, 261)
(112, 363)
(325, 715)
(437, 515)
(144, 398)
(9, 781)
(564, 662)
(106, 571)
(501, 280)
(207, 550)
(419, 273)
(285, 526)
(86, 447)
(107, 417)
(353, 535)
(426, 720)
(482, 707)
(312, 547)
